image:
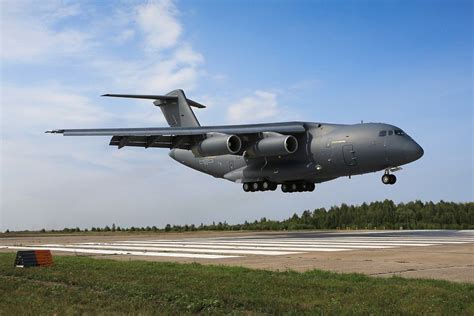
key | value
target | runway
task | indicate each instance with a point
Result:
(289, 250)
(289, 244)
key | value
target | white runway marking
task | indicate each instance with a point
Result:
(271, 245)
(265, 250)
(177, 249)
(118, 252)
(250, 246)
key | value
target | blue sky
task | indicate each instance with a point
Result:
(408, 63)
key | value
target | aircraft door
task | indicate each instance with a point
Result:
(349, 155)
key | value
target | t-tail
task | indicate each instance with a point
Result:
(175, 107)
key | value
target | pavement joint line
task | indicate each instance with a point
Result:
(306, 240)
(353, 240)
(287, 244)
(348, 239)
(282, 242)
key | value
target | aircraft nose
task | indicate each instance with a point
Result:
(413, 151)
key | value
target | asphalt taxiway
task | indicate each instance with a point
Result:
(438, 254)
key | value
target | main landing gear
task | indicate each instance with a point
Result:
(259, 186)
(297, 187)
(272, 186)
(389, 178)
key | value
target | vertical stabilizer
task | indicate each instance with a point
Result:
(177, 112)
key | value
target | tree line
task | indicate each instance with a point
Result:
(376, 215)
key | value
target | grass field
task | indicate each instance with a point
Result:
(77, 285)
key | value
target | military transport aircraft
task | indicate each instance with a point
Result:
(295, 155)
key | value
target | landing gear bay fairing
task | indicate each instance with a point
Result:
(294, 155)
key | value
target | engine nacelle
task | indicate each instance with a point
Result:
(217, 145)
(273, 144)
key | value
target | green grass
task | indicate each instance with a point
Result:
(78, 285)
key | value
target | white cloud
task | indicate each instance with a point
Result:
(38, 107)
(27, 34)
(186, 55)
(181, 69)
(30, 34)
(125, 35)
(260, 106)
(159, 24)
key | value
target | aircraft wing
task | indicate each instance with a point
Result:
(290, 127)
(179, 137)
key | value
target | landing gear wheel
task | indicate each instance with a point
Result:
(393, 179)
(285, 188)
(265, 185)
(246, 187)
(302, 187)
(273, 186)
(256, 186)
(311, 187)
(386, 178)
(293, 187)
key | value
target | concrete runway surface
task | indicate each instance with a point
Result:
(436, 254)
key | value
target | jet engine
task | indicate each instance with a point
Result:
(273, 144)
(217, 145)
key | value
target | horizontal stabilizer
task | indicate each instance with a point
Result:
(155, 97)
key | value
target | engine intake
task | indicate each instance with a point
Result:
(217, 145)
(273, 144)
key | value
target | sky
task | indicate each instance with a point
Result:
(407, 63)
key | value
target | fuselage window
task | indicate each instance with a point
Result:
(383, 133)
(390, 133)
(399, 132)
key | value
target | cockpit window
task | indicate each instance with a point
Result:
(383, 133)
(399, 132)
(390, 133)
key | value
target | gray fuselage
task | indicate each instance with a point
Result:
(325, 152)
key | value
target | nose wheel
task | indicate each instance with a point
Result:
(389, 179)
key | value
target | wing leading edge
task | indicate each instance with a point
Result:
(290, 127)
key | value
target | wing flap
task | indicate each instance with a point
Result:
(151, 141)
